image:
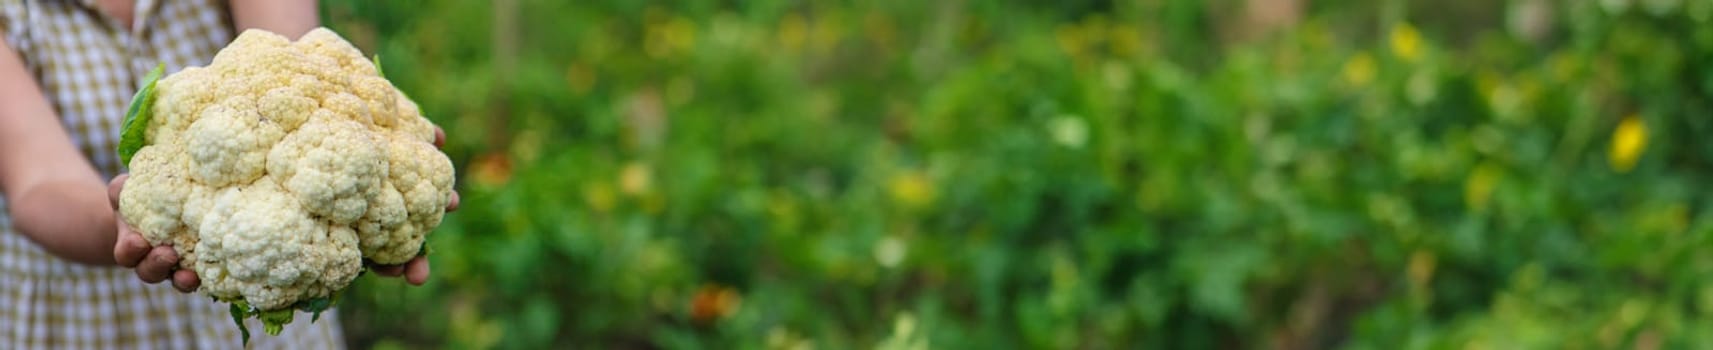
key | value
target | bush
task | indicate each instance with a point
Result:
(1054, 175)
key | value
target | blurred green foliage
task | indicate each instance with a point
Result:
(1056, 174)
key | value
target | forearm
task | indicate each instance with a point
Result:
(54, 195)
(291, 18)
(68, 218)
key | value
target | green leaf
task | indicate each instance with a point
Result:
(378, 70)
(274, 321)
(314, 305)
(239, 310)
(131, 134)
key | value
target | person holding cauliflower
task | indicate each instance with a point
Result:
(340, 162)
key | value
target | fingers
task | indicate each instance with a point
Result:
(158, 265)
(186, 281)
(389, 270)
(131, 248)
(113, 189)
(153, 265)
(416, 271)
(440, 141)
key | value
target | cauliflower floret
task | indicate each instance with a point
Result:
(403, 213)
(332, 165)
(257, 243)
(328, 46)
(197, 202)
(153, 198)
(230, 142)
(287, 107)
(413, 128)
(279, 168)
(416, 178)
(179, 98)
(384, 237)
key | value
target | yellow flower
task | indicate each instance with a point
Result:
(1071, 39)
(1406, 42)
(1479, 187)
(1126, 39)
(1628, 141)
(600, 196)
(913, 189)
(667, 35)
(793, 32)
(635, 178)
(1421, 268)
(1359, 70)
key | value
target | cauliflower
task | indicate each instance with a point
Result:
(279, 169)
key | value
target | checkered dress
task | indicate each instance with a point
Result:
(88, 68)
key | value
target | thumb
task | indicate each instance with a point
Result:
(113, 188)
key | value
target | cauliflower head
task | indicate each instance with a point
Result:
(279, 168)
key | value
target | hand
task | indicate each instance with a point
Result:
(154, 264)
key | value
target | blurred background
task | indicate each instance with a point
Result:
(967, 174)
